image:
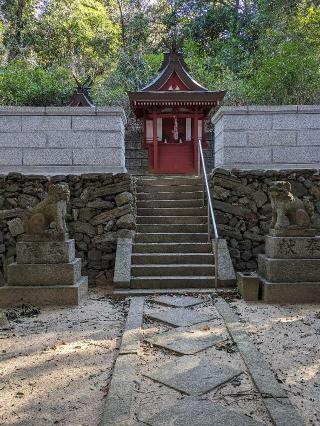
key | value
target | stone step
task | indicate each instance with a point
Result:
(172, 228)
(156, 291)
(173, 282)
(179, 211)
(171, 238)
(173, 258)
(172, 270)
(168, 188)
(169, 180)
(168, 203)
(167, 248)
(171, 220)
(196, 195)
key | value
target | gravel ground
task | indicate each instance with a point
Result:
(56, 366)
(289, 338)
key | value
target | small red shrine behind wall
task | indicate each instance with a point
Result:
(174, 108)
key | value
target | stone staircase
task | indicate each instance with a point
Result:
(171, 248)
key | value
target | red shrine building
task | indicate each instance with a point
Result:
(174, 108)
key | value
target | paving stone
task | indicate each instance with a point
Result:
(193, 375)
(194, 412)
(282, 412)
(179, 317)
(177, 302)
(188, 341)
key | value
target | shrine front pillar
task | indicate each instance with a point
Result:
(155, 141)
(195, 140)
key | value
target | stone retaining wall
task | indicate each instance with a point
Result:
(102, 208)
(269, 137)
(62, 140)
(243, 210)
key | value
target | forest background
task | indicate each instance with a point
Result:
(260, 51)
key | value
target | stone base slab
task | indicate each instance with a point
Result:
(43, 274)
(294, 232)
(293, 247)
(289, 270)
(44, 236)
(293, 292)
(248, 286)
(45, 252)
(41, 296)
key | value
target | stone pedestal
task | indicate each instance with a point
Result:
(46, 273)
(290, 269)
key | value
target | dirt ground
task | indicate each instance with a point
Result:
(56, 366)
(289, 338)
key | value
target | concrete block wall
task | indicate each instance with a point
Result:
(62, 140)
(267, 137)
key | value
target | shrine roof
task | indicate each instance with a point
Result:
(175, 86)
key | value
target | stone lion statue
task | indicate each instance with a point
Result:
(287, 209)
(49, 213)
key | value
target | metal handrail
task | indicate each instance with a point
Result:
(212, 224)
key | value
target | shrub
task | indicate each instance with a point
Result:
(22, 83)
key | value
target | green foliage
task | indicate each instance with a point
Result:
(81, 35)
(24, 84)
(260, 51)
(290, 76)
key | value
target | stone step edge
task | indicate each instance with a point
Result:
(146, 292)
(174, 265)
(174, 254)
(173, 277)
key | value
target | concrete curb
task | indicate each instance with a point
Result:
(118, 408)
(275, 398)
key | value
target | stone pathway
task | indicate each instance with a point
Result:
(189, 361)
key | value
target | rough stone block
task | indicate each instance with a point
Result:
(10, 124)
(101, 156)
(309, 137)
(70, 139)
(109, 139)
(44, 274)
(248, 285)
(272, 137)
(37, 123)
(234, 139)
(67, 110)
(45, 252)
(41, 295)
(10, 157)
(226, 273)
(296, 155)
(47, 157)
(26, 139)
(293, 247)
(109, 123)
(247, 122)
(122, 270)
(289, 270)
(296, 121)
(247, 155)
(290, 292)
(16, 226)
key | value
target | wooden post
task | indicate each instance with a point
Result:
(155, 141)
(195, 140)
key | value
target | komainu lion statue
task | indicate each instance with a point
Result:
(287, 209)
(49, 213)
